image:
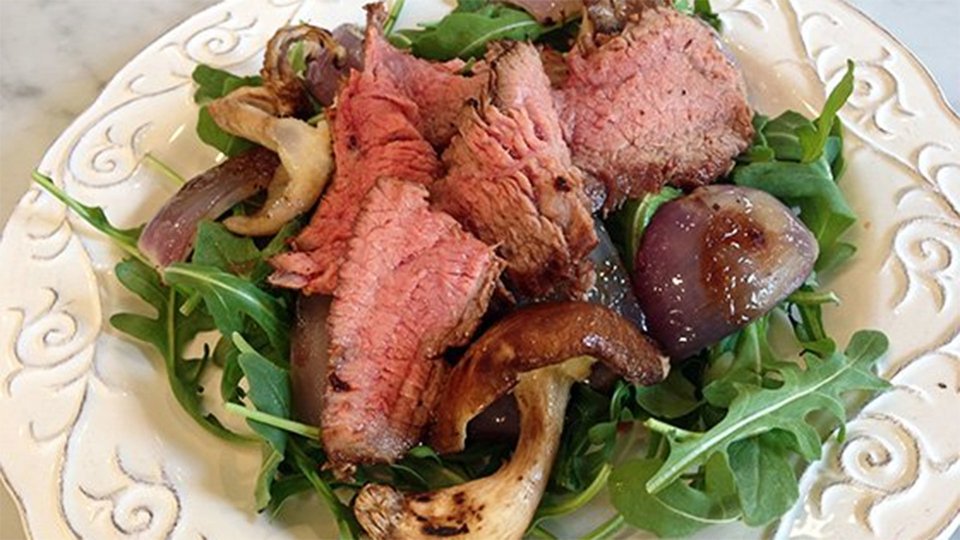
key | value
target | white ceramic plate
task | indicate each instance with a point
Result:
(98, 448)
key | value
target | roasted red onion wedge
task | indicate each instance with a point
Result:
(168, 237)
(309, 354)
(713, 261)
(550, 11)
(326, 71)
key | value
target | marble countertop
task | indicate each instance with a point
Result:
(57, 55)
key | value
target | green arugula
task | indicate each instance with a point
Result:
(765, 479)
(213, 84)
(626, 225)
(799, 161)
(758, 410)
(169, 332)
(465, 31)
(680, 509)
(700, 9)
(269, 393)
(230, 299)
(125, 239)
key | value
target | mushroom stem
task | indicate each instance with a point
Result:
(500, 505)
(306, 156)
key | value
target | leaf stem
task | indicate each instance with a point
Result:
(347, 524)
(164, 169)
(574, 503)
(191, 303)
(607, 529)
(285, 424)
(671, 431)
(92, 215)
(392, 17)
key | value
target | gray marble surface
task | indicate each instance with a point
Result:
(57, 55)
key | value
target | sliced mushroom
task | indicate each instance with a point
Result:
(536, 336)
(279, 78)
(306, 156)
(538, 352)
(500, 505)
(263, 115)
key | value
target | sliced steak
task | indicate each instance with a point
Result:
(413, 284)
(384, 122)
(511, 181)
(658, 103)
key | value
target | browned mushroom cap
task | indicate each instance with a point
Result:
(278, 75)
(534, 337)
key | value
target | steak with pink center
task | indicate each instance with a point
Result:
(659, 103)
(511, 181)
(386, 121)
(413, 284)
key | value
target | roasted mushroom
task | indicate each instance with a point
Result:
(306, 156)
(263, 115)
(538, 352)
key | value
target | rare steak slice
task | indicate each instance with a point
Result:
(657, 103)
(413, 284)
(384, 124)
(511, 182)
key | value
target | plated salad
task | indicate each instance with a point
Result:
(463, 278)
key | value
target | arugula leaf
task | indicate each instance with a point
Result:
(744, 365)
(213, 84)
(125, 239)
(217, 247)
(799, 161)
(231, 299)
(465, 31)
(678, 509)
(813, 141)
(211, 134)
(804, 308)
(758, 410)
(270, 393)
(346, 522)
(626, 226)
(700, 9)
(169, 332)
(766, 483)
(674, 397)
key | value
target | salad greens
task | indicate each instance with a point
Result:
(465, 32)
(799, 161)
(215, 83)
(719, 440)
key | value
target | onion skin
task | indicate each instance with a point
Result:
(326, 71)
(168, 237)
(309, 356)
(714, 261)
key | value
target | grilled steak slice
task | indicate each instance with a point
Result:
(659, 103)
(511, 181)
(383, 125)
(413, 284)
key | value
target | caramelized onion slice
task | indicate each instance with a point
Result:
(168, 237)
(534, 337)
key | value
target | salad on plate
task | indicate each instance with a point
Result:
(461, 279)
